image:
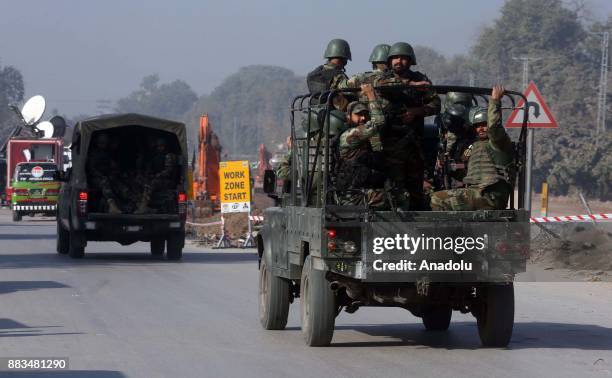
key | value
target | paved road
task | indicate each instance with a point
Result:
(117, 313)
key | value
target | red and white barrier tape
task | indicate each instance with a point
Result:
(256, 218)
(573, 218)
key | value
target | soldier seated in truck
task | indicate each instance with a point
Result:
(101, 172)
(358, 166)
(490, 165)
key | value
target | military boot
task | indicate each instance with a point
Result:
(112, 207)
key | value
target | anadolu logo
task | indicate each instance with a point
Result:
(37, 171)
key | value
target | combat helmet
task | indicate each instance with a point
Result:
(316, 120)
(462, 98)
(337, 48)
(478, 114)
(379, 54)
(402, 49)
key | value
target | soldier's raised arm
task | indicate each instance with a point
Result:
(497, 134)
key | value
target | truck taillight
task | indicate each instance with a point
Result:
(82, 205)
(182, 205)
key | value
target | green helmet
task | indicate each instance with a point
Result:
(402, 49)
(478, 114)
(464, 99)
(337, 122)
(337, 48)
(379, 54)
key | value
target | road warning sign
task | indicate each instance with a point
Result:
(539, 114)
(235, 186)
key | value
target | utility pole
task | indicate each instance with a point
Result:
(234, 137)
(603, 85)
(526, 59)
(472, 78)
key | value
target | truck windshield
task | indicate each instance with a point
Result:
(31, 172)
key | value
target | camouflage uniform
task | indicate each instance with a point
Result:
(490, 171)
(103, 174)
(283, 169)
(401, 142)
(357, 167)
(369, 77)
(161, 176)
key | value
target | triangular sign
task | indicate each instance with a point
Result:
(539, 114)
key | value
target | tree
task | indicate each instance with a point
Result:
(11, 92)
(169, 100)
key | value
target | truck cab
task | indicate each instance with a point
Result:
(34, 190)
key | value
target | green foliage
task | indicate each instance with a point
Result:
(249, 107)
(169, 100)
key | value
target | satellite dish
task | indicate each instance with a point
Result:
(33, 110)
(46, 129)
(59, 126)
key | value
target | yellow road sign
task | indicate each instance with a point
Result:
(235, 186)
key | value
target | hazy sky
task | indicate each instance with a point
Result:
(75, 52)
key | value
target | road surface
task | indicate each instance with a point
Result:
(118, 313)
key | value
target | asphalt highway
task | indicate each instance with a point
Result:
(119, 313)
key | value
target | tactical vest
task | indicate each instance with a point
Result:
(487, 166)
(320, 79)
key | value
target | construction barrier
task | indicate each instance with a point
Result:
(607, 217)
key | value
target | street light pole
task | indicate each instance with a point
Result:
(525, 60)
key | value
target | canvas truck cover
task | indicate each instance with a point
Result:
(83, 132)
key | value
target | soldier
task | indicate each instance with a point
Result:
(100, 171)
(283, 169)
(161, 174)
(378, 58)
(358, 166)
(405, 111)
(457, 135)
(329, 75)
(491, 164)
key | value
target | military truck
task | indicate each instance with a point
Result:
(330, 256)
(83, 212)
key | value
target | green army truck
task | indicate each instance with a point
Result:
(336, 257)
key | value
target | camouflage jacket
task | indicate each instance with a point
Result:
(396, 104)
(283, 169)
(355, 141)
(491, 160)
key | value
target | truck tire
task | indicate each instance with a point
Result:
(175, 243)
(318, 306)
(496, 316)
(273, 299)
(437, 318)
(62, 242)
(157, 247)
(76, 245)
(16, 216)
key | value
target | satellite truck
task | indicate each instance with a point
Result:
(31, 159)
(332, 256)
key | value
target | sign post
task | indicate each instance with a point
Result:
(235, 193)
(539, 117)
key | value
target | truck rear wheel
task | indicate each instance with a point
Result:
(175, 243)
(496, 317)
(318, 306)
(76, 245)
(273, 299)
(437, 318)
(157, 247)
(62, 242)
(16, 216)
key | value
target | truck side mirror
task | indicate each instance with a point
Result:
(269, 182)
